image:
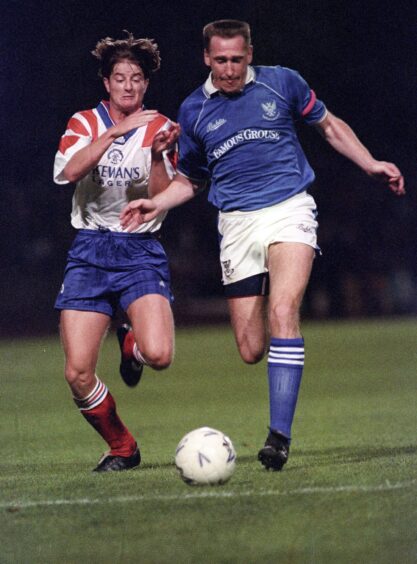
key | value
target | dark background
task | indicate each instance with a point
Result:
(360, 58)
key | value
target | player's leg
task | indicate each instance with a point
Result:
(289, 266)
(248, 319)
(243, 258)
(82, 333)
(145, 295)
(153, 330)
(149, 341)
(289, 270)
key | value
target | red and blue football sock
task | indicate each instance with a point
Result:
(99, 409)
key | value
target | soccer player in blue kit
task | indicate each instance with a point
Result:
(238, 134)
(115, 152)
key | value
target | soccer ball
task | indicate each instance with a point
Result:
(205, 456)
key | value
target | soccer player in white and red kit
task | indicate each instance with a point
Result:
(238, 132)
(115, 153)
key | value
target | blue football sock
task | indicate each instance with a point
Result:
(285, 369)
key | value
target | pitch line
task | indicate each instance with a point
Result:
(212, 494)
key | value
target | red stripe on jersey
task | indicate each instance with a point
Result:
(152, 129)
(66, 142)
(92, 122)
(310, 105)
(173, 158)
(77, 127)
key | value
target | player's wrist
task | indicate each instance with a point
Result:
(157, 156)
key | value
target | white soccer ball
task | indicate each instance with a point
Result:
(205, 456)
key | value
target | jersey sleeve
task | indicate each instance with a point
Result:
(162, 123)
(78, 135)
(170, 156)
(303, 100)
(192, 161)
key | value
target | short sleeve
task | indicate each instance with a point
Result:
(77, 136)
(192, 161)
(303, 100)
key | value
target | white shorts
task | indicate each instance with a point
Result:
(246, 236)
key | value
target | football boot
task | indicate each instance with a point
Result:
(275, 452)
(112, 463)
(130, 369)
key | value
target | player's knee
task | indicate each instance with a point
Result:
(160, 364)
(250, 358)
(76, 376)
(251, 354)
(284, 316)
(158, 359)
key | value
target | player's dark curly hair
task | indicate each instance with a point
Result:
(143, 52)
(226, 29)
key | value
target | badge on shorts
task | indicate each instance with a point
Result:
(226, 268)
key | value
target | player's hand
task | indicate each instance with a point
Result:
(164, 140)
(137, 212)
(389, 174)
(133, 121)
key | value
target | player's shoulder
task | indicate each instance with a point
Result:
(84, 122)
(286, 82)
(193, 103)
(86, 114)
(275, 73)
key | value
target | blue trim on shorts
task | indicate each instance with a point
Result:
(256, 285)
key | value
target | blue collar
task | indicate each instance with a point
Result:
(104, 113)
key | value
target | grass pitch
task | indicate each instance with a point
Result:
(347, 494)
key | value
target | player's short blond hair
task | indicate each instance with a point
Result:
(226, 29)
(143, 52)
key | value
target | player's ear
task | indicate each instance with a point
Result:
(250, 54)
(206, 57)
(106, 84)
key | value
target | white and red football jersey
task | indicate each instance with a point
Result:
(121, 175)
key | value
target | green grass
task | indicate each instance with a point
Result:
(347, 494)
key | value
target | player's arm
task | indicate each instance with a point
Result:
(84, 160)
(159, 178)
(180, 190)
(342, 138)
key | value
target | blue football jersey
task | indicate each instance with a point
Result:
(246, 144)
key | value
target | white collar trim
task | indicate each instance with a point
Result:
(210, 89)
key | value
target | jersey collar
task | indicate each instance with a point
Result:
(103, 110)
(209, 88)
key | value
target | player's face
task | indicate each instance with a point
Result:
(228, 60)
(126, 86)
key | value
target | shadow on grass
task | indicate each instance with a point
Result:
(357, 454)
(323, 457)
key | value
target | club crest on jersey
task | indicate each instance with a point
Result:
(270, 110)
(213, 125)
(115, 156)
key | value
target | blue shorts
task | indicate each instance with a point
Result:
(106, 268)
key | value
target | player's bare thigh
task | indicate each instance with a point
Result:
(248, 319)
(153, 326)
(289, 266)
(82, 333)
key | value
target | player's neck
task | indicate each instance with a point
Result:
(118, 115)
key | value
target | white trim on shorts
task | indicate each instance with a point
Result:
(247, 235)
